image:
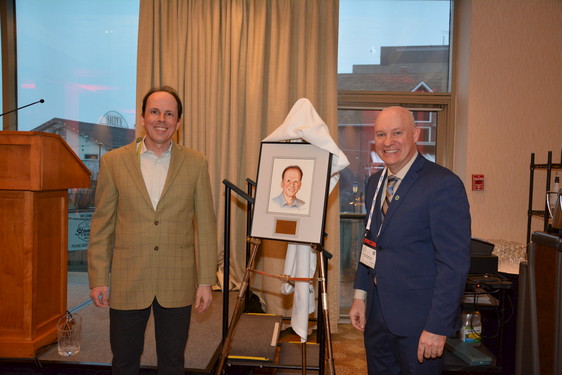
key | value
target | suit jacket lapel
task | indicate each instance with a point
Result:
(176, 161)
(131, 160)
(405, 185)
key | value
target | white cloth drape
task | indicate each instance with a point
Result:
(300, 261)
(303, 123)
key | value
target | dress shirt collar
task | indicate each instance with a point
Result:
(141, 147)
(402, 172)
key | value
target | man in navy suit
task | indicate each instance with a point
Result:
(415, 255)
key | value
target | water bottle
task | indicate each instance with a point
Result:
(471, 330)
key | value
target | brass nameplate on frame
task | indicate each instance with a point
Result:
(286, 227)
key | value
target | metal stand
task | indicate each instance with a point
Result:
(227, 342)
(324, 332)
(324, 296)
(549, 167)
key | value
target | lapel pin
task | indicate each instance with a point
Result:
(397, 197)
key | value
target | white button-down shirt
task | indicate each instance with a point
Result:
(154, 171)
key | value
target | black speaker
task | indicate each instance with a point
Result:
(483, 264)
(481, 247)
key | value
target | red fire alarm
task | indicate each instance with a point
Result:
(477, 182)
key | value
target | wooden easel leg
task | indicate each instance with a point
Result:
(324, 297)
(303, 347)
(239, 305)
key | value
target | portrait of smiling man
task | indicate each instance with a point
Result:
(291, 182)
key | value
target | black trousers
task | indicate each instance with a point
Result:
(126, 332)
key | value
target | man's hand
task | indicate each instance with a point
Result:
(203, 298)
(430, 346)
(357, 314)
(100, 296)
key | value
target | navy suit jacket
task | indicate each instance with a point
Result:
(423, 253)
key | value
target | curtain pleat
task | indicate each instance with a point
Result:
(239, 66)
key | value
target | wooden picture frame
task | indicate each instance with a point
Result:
(287, 207)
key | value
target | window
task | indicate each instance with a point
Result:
(356, 137)
(390, 53)
(79, 56)
(398, 46)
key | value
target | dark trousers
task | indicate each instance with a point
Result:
(389, 354)
(126, 332)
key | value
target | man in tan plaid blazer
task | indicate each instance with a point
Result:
(151, 195)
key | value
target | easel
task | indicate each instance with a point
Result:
(238, 309)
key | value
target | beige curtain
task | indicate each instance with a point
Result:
(239, 66)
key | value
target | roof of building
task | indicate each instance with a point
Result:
(107, 136)
(414, 54)
(402, 69)
(399, 82)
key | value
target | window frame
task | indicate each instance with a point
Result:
(439, 102)
(9, 63)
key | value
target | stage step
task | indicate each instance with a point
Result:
(256, 343)
(291, 355)
(255, 338)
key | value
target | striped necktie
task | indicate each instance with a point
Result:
(390, 184)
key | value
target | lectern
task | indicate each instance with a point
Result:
(36, 169)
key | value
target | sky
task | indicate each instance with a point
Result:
(366, 25)
(80, 55)
(77, 55)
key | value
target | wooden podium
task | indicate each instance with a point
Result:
(36, 169)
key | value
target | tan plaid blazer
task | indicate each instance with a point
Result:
(142, 253)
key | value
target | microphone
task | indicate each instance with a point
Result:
(27, 105)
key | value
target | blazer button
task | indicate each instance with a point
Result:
(156, 222)
(155, 248)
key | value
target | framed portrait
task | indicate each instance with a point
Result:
(291, 192)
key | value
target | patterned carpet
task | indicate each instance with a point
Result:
(347, 347)
(349, 353)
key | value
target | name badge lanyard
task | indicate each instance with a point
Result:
(379, 185)
(369, 248)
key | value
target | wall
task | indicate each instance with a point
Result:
(509, 94)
